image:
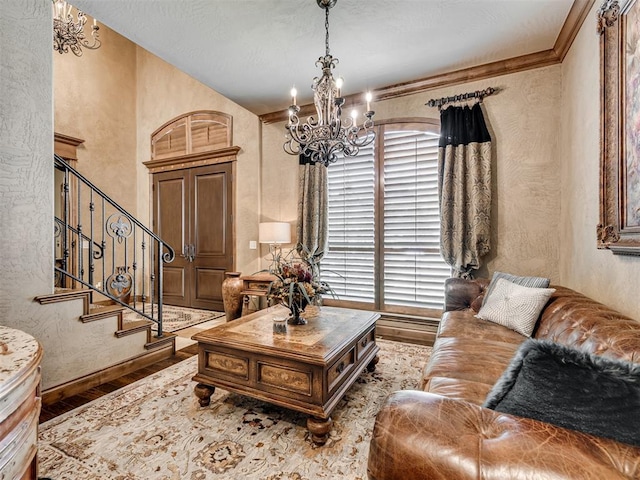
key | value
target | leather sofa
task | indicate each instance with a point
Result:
(443, 432)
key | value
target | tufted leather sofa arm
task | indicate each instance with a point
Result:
(419, 435)
(461, 294)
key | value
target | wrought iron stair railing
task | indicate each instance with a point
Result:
(100, 246)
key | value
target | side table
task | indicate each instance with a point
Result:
(256, 285)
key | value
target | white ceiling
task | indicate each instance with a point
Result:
(253, 51)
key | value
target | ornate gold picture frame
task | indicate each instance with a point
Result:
(619, 29)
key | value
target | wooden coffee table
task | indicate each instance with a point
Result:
(308, 369)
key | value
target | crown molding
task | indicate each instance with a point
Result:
(575, 18)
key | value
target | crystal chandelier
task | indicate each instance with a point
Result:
(68, 35)
(323, 137)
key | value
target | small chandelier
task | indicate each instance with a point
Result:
(323, 137)
(68, 35)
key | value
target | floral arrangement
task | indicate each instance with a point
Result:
(297, 285)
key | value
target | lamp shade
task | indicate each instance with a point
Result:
(274, 232)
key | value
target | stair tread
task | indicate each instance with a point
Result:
(155, 342)
(97, 308)
(164, 338)
(99, 312)
(59, 290)
(64, 295)
(133, 324)
(66, 292)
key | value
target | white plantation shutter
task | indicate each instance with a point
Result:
(349, 265)
(414, 272)
(403, 253)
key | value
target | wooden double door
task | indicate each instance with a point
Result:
(193, 214)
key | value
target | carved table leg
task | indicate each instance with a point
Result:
(319, 429)
(372, 364)
(204, 392)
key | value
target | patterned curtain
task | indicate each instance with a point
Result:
(313, 214)
(464, 188)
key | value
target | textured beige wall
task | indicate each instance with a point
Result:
(608, 278)
(95, 100)
(26, 150)
(26, 190)
(279, 176)
(524, 122)
(164, 93)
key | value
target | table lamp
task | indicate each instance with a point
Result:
(275, 234)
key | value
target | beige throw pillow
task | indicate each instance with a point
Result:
(537, 282)
(514, 306)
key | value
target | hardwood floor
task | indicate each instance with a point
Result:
(51, 411)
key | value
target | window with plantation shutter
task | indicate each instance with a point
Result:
(349, 266)
(384, 228)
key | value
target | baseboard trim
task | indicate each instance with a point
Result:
(79, 385)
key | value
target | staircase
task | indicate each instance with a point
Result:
(107, 262)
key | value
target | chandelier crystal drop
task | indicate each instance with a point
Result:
(69, 35)
(323, 137)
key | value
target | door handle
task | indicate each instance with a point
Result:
(189, 252)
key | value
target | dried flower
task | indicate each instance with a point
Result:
(296, 285)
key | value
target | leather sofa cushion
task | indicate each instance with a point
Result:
(463, 324)
(477, 360)
(467, 390)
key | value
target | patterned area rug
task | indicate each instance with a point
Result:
(155, 429)
(175, 318)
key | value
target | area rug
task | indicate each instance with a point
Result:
(174, 318)
(155, 429)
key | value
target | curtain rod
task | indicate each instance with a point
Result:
(438, 102)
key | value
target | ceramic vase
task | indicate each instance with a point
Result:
(232, 285)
